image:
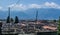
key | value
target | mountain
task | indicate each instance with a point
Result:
(47, 13)
(21, 15)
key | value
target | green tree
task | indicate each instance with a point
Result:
(59, 25)
(11, 19)
(0, 28)
(8, 20)
(54, 20)
(16, 20)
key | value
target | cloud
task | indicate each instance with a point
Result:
(18, 6)
(24, 7)
(51, 5)
(29, 6)
(1, 7)
(34, 6)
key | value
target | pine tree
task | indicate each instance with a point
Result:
(11, 19)
(59, 26)
(8, 20)
(16, 20)
(0, 28)
(54, 20)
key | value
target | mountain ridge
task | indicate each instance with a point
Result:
(48, 13)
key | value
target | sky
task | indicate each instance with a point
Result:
(23, 5)
(28, 4)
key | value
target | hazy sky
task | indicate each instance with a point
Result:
(23, 5)
(27, 4)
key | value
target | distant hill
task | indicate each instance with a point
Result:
(47, 13)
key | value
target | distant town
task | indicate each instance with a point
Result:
(14, 26)
(17, 26)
